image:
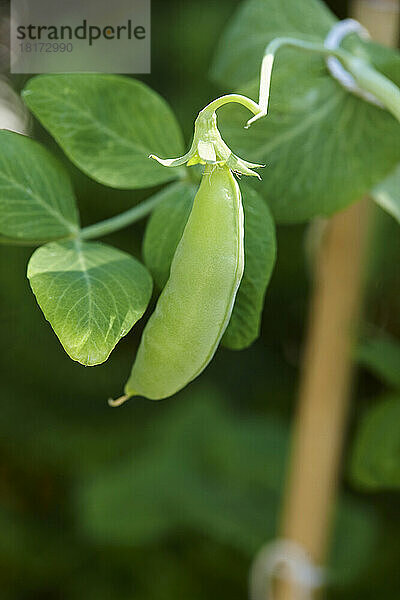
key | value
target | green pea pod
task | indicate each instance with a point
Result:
(194, 308)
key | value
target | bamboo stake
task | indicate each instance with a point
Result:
(325, 384)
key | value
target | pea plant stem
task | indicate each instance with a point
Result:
(325, 385)
(268, 63)
(377, 84)
(366, 76)
(229, 98)
(15, 242)
(126, 218)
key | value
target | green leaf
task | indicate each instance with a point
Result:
(90, 293)
(382, 356)
(260, 256)
(354, 541)
(37, 202)
(165, 228)
(324, 148)
(164, 488)
(132, 492)
(108, 125)
(7, 241)
(33, 549)
(387, 194)
(258, 22)
(375, 461)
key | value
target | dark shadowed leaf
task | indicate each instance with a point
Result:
(37, 201)
(381, 355)
(375, 461)
(260, 255)
(165, 228)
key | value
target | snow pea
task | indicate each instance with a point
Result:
(195, 306)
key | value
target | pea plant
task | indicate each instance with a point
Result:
(329, 135)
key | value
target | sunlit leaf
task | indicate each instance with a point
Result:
(91, 294)
(108, 125)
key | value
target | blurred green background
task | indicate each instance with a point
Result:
(170, 500)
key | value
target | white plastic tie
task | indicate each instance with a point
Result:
(332, 41)
(285, 559)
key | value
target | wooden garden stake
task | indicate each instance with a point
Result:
(327, 371)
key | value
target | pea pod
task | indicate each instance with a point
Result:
(195, 306)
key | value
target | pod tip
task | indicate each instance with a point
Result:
(118, 401)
